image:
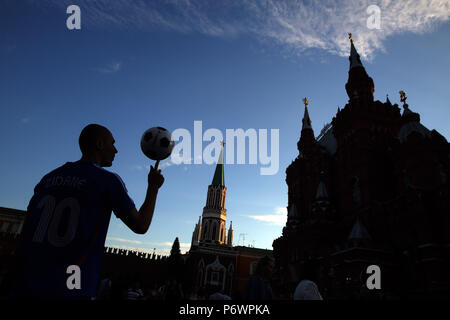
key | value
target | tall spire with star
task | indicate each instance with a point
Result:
(214, 213)
(219, 176)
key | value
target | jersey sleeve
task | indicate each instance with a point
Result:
(121, 204)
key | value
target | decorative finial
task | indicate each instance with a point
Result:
(350, 37)
(403, 98)
(306, 102)
(223, 143)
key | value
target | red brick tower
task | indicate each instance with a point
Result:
(372, 188)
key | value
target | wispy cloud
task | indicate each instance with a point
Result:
(294, 26)
(166, 163)
(123, 240)
(173, 160)
(183, 245)
(160, 251)
(161, 246)
(278, 217)
(145, 250)
(110, 68)
(137, 167)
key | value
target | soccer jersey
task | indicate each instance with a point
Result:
(66, 225)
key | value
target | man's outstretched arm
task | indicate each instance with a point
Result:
(139, 221)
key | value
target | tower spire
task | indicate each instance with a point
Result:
(359, 84)
(219, 176)
(230, 235)
(307, 138)
(355, 60)
(387, 100)
(306, 122)
(214, 213)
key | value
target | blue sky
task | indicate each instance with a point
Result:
(230, 64)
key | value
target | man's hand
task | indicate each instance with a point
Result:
(139, 221)
(155, 178)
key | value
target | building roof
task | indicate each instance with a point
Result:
(9, 213)
(411, 127)
(411, 124)
(328, 141)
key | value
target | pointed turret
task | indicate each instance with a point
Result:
(355, 60)
(230, 235)
(197, 232)
(359, 84)
(307, 139)
(322, 209)
(306, 121)
(388, 101)
(359, 235)
(219, 176)
(321, 191)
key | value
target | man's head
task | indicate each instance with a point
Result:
(264, 267)
(97, 144)
(310, 270)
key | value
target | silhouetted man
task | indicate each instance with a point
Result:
(258, 287)
(68, 218)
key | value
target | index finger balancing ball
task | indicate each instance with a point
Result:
(156, 143)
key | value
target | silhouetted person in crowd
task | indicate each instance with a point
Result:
(153, 292)
(135, 292)
(172, 291)
(67, 221)
(119, 288)
(194, 294)
(258, 287)
(217, 294)
(307, 288)
(104, 288)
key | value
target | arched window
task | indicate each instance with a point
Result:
(205, 230)
(221, 234)
(229, 285)
(253, 267)
(200, 274)
(214, 231)
(216, 274)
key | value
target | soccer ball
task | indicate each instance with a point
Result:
(156, 143)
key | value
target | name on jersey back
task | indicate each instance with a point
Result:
(65, 181)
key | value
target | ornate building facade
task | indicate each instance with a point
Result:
(371, 189)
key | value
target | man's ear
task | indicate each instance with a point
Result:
(100, 144)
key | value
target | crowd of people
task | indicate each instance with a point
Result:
(258, 288)
(170, 290)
